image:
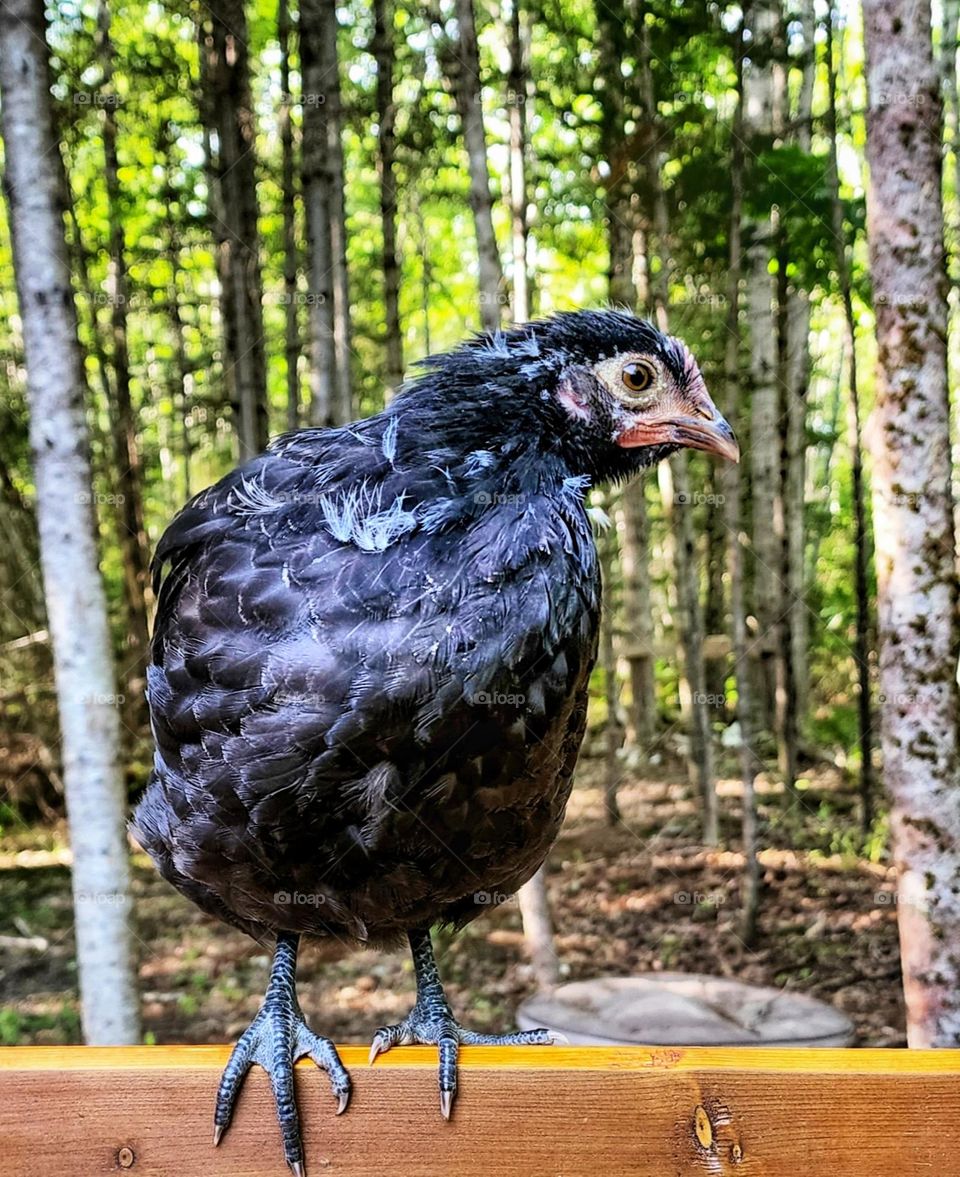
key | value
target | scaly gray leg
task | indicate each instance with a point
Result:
(430, 1022)
(275, 1039)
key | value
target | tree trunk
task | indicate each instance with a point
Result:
(317, 203)
(913, 508)
(633, 528)
(76, 606)
(130, 527)
(228, 111)
(384, 52)
(181, 375)
(732, 505)
(622, 235)
(861, 537)
(608, 667)
(678, 507)
(794, 339)
(333, 116)
(517, 94)
(534, 900)
(950, 10)
(716, 660)
(288, 213)
(463, 69)
(759, 107)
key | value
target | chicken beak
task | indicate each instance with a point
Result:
(712, 435)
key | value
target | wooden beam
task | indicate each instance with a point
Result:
(536, 1111)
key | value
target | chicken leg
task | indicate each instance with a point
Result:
(431, 1022)
(275, 1039)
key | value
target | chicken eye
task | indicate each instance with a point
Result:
(638, 375)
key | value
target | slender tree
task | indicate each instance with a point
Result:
(759, 120)
(678, 500)
(326, 12)
(384, 52)
(123, 417)
(76, 606)
(608, 666)
(913, 508)
(517, 96)
(228, 113)
(858, 488)
(323, 194)
(462, 65)
(623, 234)
(318, 202)
(737, 539)
(793, 309)
(288, 213)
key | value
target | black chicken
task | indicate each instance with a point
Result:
(369, 670)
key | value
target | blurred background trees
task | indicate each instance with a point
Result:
(275, 209)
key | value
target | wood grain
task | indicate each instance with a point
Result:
(536, 1111)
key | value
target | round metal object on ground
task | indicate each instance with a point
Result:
(684, 1009)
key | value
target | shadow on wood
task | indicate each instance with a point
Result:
(535, 1111)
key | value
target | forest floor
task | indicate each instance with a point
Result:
(635, 898)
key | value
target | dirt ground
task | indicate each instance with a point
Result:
(638, 897)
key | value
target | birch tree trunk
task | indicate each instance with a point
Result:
(384, 52)
(950, 22)
(463, 68)
(916, 573)
(228, 109)
(534, 900)
(758, 124)
(76, 605)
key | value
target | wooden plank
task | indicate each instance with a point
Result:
(536, 1111)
